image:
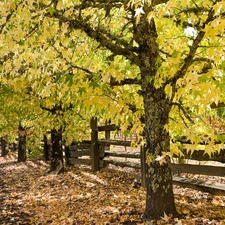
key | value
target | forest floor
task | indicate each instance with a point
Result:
(78, 196)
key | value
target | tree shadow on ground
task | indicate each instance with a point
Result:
(14, 184)
(11, 212)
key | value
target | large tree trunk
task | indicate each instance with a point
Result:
(157, 106)
(160, 197)
(57, 154)
(22, 156)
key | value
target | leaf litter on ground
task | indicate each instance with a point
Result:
(78, 196)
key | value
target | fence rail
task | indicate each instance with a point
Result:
(124, 154)
(98, 155)
(212, 188)
(199, 169)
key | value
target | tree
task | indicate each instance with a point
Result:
(46, 148)
(57, 154)
(18, 116)
(22, 154)
(3, 146)
(169, 51)
(142, 38)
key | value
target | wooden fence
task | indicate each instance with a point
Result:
(98, 155)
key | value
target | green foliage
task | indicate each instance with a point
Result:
(35, 152)
(220, 112)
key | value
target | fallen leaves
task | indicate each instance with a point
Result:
(80, 197)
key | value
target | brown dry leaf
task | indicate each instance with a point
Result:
(80, 197)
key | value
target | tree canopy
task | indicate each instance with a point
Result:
(47, 54)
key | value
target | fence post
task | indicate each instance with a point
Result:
(107, 137)
(143, 165)
(107, 132)
(94, 145)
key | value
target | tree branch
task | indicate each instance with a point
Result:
(218, 105)
(158, 2)
(185, 113)
(97, 34)
(129, 81)
(6, 57)
(8, 18)
(87, 71)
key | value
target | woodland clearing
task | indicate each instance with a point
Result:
(78, 196)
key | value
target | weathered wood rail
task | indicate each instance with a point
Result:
(98, 155)
(201, 156)
(78, 150)
(200, 185)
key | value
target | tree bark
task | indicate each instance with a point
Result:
(56, 165)
(46, 149)
(3, 147)
(67, 155)
(160, 197)
(22, 156)
(157, 106)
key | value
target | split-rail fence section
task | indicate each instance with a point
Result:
(96, 153)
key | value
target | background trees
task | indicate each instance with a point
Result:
(161, 61)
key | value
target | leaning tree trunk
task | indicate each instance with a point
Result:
(160, 197)
(56, 165)
(22, 156)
